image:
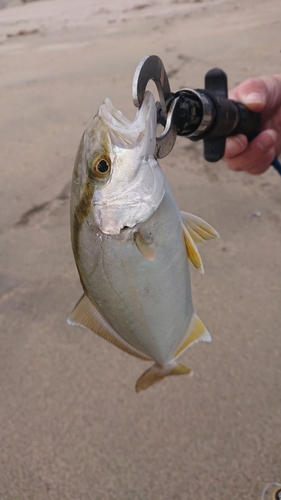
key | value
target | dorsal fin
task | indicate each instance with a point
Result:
(87, 315)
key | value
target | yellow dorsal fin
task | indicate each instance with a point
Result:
(192, 251)
(196, 331)
(198, 229)
(86, 314)
(154, 374)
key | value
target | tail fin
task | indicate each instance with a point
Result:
(156, 374)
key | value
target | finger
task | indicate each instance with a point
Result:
(235, 145)
(264, 165)
(258, 94)
(252, 92)
(258, 155)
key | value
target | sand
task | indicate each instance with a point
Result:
(71, 425)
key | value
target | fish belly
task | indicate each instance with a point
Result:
(147, 302)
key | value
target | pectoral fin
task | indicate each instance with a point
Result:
(196, 331)
(156, 374)
(198, 229)
(145, 245)
(87, 315)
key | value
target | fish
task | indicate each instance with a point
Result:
(132, 245)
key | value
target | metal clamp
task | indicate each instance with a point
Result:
(152, 68)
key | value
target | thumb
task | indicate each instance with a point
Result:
(252, 92)
(258, 94)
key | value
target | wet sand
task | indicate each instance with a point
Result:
(71, 425)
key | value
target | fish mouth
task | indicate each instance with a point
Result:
(126, 133)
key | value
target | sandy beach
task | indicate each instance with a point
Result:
(71, 425)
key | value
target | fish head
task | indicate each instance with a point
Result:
(117, 182)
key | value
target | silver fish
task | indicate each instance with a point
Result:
(132, 244)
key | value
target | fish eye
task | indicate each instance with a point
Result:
(103, 167)
(100, 166)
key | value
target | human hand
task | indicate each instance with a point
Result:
(262, 94)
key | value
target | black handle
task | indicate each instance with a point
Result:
(230, 118)
(209, 115)
(248, 121)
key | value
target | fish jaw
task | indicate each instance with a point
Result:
(135, 186)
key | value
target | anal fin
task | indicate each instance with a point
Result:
(87, 315)
(196, 331)
(156, 374)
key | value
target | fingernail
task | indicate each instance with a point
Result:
(254, 98)
(266, 140)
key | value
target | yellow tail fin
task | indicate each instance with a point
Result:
(156, 374)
